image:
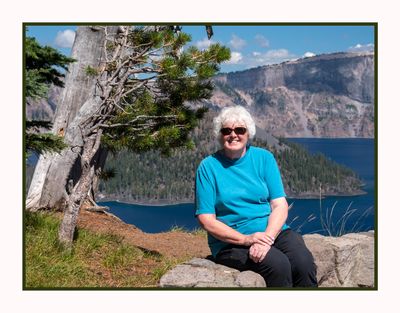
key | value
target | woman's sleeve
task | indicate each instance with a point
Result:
(205, 191)
(274, 180)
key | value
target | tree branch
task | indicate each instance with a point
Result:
(140, 117)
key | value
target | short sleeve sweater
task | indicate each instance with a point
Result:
(238, 191)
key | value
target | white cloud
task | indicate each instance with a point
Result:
(279, 53)
(262, 41)
(237, 42)
(362, 48)
(257, 58)
(309, 54)
(269, 57)
(236, 57)
(204, 44)
(65, 39)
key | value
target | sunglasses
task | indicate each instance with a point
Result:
(238, 131)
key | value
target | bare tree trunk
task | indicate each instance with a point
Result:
(82, 188)
(54, 172)
(100, 163)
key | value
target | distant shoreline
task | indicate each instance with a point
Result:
(143, 203)
(315, 196)
(305, 196)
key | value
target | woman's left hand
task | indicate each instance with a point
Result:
(257, 252)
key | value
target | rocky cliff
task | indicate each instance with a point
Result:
(43, 109)
(346, 261)
(329, 95)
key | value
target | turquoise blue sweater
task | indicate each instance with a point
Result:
(238, 191)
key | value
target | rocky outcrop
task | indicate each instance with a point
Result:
(205, 273)
(346, 261)
(329, 95)
(349, 74)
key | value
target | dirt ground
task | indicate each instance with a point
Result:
(174, 244)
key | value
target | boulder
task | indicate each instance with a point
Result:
(205, 273)
(346, 261)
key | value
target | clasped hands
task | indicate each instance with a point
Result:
(259, 243)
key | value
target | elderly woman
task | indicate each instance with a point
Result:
(241, 204)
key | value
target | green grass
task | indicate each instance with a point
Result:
(178, 229)
(197, 232)
(95, 261)
(160, 270)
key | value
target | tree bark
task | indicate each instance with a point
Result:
(55, 172)
(81, 190)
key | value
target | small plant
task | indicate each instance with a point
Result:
(91, 71)
(199, 232)
(178, 229)
(196, 232)
(309, 219)
(339, 228)
(331, 225)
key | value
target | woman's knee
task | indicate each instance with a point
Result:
(279, 263)
(301, 259)
(276, 269)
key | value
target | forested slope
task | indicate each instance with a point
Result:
(152, 178)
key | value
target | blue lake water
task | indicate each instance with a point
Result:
(354, 213)
(342, 214)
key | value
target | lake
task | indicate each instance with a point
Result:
(357, 154)
(339, 214)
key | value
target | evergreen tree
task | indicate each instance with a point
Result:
(141, 84)
(40, 73)
(41, 142)
(302, 172)
(41, 70)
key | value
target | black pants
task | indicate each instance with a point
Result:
(287, 264)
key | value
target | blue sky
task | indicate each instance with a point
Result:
(251, 46)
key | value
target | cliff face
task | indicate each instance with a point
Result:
(323, 96)
(43, 109)
(329, 95)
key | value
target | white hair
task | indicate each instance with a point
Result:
(234, 114)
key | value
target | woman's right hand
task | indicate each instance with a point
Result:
(258, 237)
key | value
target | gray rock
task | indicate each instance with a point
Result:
(250, 279)
(205, 273)
(346, 261)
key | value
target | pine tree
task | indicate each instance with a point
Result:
(140, 88)
(41, 72)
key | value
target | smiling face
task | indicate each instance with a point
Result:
(234, 145)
